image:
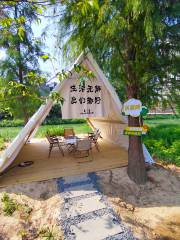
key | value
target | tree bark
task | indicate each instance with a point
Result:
(136, 163)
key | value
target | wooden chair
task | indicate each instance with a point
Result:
(93, 137)
(54, 142)
(83, 146)
(69, 133)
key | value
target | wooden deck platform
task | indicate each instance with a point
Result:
(44, 168)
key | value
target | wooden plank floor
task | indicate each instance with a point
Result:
(110, 156)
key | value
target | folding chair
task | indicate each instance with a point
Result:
(83, 146)
(94, 138)
(69, 133)
(54, 142)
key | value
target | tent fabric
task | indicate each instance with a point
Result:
(108, 118)
(79, 103)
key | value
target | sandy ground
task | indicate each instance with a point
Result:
(42, 197)
(151, 210)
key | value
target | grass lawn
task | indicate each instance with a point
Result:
(9, 133)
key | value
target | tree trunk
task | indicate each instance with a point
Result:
(20, 76)
(136, 164)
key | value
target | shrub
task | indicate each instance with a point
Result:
(58, 121)
(163, 143)
(11, 123)
(9, 205)
(161, 116)
(24, 210)
(49, 233)
(47, 121)
(59, 131)
(2, 143)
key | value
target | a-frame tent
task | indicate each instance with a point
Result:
(111, 124)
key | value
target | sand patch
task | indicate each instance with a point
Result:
(151, 210)
(44, 200)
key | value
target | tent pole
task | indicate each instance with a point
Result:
(90, 123)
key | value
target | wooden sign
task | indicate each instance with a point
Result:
(132, 107)
(135, 131)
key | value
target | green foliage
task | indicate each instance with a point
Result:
(58, 121)
(163, 143)
(50, 120)
(9, 133)
(21, 78)
(135, 42)
(11, 123)
(58, 131)
(24, 210)
(2, 143)
(9, 205)
(47, 233)
(160, 116)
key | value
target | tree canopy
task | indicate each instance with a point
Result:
(136, 44)
(114, 30)
(21, 77)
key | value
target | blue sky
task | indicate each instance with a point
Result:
(56, 63)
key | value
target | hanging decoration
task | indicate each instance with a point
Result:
(132, 107)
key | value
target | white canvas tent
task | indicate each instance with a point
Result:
(110, 121)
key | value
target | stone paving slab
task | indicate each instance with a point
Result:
(79, 178)
(79, 190)
(86, 213)
(96, 229)
(85, 205)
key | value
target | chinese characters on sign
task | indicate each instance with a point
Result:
(88, 96)
(132, 107)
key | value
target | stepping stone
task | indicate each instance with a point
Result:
(73, 179)
(86, 213)
(81, 190)
(96, 229)
(85, 205)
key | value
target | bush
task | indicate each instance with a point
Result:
(11, 123)
(47, 121)
(59, 131)
(9, 205)
(163, 143)
(161, 116)
(58, 121)
(2, 143)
